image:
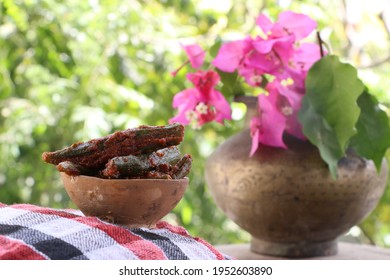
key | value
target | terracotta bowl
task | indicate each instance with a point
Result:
(130, 202)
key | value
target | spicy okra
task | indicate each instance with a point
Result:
(142, 152)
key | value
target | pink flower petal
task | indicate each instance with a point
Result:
(293, 97)
(186, 97)
(306, 55)
(204, 82)
(273, 123)
(223, 110)
(294, 127)
(180, 118)
(265, 63)
(185, 101)
(195, 55)
(288, 98)
(229, 56)
(255, 134)
(263, 46)
(264, 23)
(298, 24)
(282, 49)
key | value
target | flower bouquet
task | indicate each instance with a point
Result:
(301, 90)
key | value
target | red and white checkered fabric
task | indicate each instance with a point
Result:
(36, 233)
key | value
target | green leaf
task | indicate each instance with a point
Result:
(329, 109)
(334, 87)
(229, 82)
(321, 134)
(373, 137)
(228, 79)
(215, 48)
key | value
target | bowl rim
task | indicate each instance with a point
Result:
(185, 179)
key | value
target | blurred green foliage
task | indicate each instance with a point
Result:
(75, 70)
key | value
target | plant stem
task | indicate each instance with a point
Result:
(320, 42)
(174, 73)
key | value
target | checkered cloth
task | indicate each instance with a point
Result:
(34, 233)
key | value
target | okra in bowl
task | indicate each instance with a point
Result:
(132, 177)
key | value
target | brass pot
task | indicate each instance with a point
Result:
(286, 198)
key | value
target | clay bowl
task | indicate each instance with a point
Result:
(129, 202)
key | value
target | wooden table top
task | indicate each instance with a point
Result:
(346, 251)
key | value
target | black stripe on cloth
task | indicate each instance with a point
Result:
(53, 248)
(171, 250)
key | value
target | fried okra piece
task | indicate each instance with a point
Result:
(72, 169)
(182, 168)
(157, 175)
(139, 166)
(162, 160)
(95, 153)
(126, 166)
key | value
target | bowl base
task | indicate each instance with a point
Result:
(294, 250)
(111, 220)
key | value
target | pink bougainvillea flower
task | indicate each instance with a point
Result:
(195, 55)
(289, 103)
(203, 103)
(288, 23)
(278, 113)
(282, 47)
(268, 127)
(242, 56)
(277, 61)
(279, 44)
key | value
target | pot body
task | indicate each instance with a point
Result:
(286, 198)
